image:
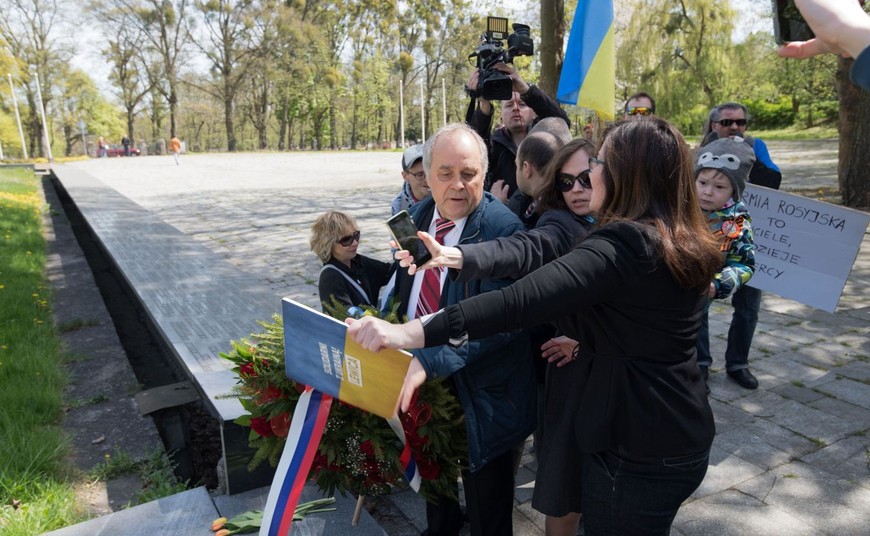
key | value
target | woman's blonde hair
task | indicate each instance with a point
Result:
(326, 230)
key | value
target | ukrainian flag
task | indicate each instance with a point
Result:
(588, 76)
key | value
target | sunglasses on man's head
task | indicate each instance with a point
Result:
(729, 122)
(639, 110)
(349, 239)
(565, 182)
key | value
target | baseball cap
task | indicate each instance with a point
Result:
(411, 155)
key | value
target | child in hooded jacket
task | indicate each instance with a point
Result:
(722, 167)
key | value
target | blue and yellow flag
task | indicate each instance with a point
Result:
(589, 71)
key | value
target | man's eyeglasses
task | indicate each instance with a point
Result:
(729, 122)
(594, 162)
(349, 239)
(565, 182)
(639, 110)
(420, 175)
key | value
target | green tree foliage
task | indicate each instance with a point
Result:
(80, 100)
(30, 31)
(233, 45)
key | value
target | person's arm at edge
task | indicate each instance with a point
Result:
(841, 27)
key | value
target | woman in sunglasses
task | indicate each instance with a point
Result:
(352, 279)
(637, 416)
(565, 219)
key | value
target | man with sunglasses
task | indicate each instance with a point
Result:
(639, 105)
(729, 120)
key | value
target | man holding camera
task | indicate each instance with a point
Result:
(526, 105)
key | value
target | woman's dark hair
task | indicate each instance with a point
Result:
(549, 197)
(648, 178)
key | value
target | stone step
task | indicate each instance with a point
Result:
(191, 513)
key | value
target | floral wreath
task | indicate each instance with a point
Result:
(359, 452)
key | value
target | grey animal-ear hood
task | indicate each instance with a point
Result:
(731, 156)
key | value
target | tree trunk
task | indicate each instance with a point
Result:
(854, 166)
(229, 124)
(552, 36)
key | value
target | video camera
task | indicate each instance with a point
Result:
(492, 83)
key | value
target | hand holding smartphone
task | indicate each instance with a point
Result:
(788, 23)
(404, 232)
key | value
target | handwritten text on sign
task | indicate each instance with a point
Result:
(804, 249)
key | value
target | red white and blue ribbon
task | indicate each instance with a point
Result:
(306, 429)
(409, 465)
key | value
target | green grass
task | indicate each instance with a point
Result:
(37, 487)
(796, 133)
(156, 473)
(35, 494)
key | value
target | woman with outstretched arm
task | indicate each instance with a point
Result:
(632, 294)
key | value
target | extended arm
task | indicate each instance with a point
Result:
(841, 26)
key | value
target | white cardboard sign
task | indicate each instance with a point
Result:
(804, 249)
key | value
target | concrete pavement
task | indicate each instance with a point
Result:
(790, 457)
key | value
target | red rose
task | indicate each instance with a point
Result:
(428, 468)
(247, 371)
(261, 426)
(280, 424)
(368, 448)
(269, 394)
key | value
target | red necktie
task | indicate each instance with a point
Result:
(430, 290)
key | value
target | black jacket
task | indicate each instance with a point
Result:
(638, 387)
(368, 274)
(502, 149)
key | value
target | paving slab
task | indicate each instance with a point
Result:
(830, 504)
(190, 513)
(848, 458)
(843, 388)
(733, 513)
(725, 471)
(320, 524)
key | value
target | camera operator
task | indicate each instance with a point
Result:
(527, 105)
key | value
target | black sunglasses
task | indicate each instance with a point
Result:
(565, 182)
(729, 122)
(349, 239)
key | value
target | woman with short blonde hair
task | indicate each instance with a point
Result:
(350, 278)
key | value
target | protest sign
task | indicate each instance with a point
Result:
(804, 248)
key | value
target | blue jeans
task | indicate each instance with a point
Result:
(622, 497)
(746, 302)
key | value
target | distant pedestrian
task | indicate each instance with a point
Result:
(175, 148)
(102, 148)
(125, 141)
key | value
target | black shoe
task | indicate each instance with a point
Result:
(744, 378)
(705, 374)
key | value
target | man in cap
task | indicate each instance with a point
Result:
(415, 188)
